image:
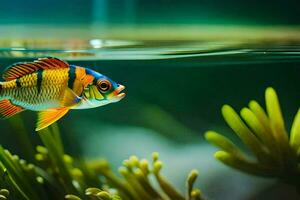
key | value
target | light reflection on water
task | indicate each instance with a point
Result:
(98, 49)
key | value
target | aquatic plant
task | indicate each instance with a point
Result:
(274, 152)
(53, 174)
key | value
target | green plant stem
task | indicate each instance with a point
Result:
(22, 137)
(56, 157)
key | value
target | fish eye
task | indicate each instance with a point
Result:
(104, 85)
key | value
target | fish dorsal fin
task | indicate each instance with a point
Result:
(7, 109)
(48, 117)
(20, 69)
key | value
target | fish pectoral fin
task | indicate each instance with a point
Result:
(7, 109)
(48, 117)
(69, 98)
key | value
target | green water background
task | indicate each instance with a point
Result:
(149, 12)
(170, 102)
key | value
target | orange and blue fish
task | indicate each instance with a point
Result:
(52, 87)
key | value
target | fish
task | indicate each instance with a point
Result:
(52, 87)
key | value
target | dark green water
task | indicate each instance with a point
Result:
(189, 81)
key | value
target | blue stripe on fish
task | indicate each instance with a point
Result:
(94, 74)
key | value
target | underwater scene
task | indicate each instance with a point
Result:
(149, 100)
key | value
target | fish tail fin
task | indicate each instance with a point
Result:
(7, 109)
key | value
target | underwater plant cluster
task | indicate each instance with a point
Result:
(275, 153)
(56, 175)
(53, 174)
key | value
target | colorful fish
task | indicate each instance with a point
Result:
(53, 87)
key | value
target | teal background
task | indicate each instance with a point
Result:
(136, 12)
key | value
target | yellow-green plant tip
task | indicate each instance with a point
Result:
(255, 106)
(254, 124)
(15, 158)
(68, 159)
(157, 167)
(155, 156)
(40, 180)
(261, 115)
(196, 193)
(41, 149)
(144, 166)
(134, 161)
(2, 197)
(22, 162)
(116, 197)
(123, 171)
(72, 197)
(103, 195)
(7, 152)
(92, 191)
(99, 166)
(4, 192)
(76, 172)
(225, 108)
(126, 163)
(221, 155)
(222, 142)
(209, 134)
(273, 108)
(138, 173)
(30, 166)
(39, 157)
(192, 177)
(295, 133)
(233, 120)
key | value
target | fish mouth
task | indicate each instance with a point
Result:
(118, 94)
